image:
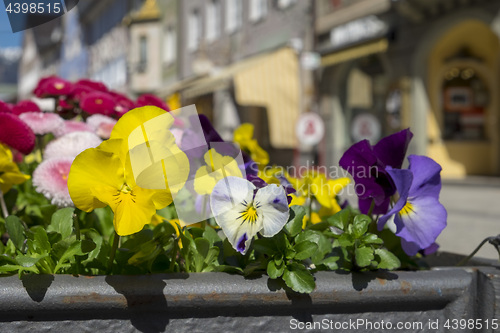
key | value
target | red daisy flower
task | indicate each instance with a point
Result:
(97, 102)
(16, 133)
(25, 106)
(149, 99)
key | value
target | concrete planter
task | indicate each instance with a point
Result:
(219, 302)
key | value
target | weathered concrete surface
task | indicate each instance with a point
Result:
(218, 302)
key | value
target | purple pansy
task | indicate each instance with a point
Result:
(367, 165)
(419, 216)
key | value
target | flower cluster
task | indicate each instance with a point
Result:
(162, 185)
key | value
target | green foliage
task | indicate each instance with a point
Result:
(75, 242)
(359, 248)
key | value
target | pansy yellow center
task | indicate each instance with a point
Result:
(123, 193)
(98, 101)
(249, 214)
(407, 209)
(59, 85)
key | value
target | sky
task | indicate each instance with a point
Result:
(7, 38)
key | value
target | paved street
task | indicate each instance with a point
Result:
(473, 214)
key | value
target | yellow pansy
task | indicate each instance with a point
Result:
(243, 136)
(9, 172)
(156, 160)
(297, 200)
(217, 167)
(315, 218)
(105, 176)
(270, 175)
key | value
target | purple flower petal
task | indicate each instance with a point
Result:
(391, 150)
(423, 223)
(426, 174)
(241, 245)
(403, 180)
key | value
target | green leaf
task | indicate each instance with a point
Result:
(265, 246)
(360, 225)
(274, 271)
(15, 231)
(364, 256)
(387, 259)
(341, 219)
(305, 250)
(298, 278)
(62, 222)
(74, 249)
(324, 245)
(294, 225)
(41, 241)
(211, 235)
(212, 255)
(330, 263)
(202, 245)
(345, 240)
(371, 239)
(29, 261)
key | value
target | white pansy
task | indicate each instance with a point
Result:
(241, 210)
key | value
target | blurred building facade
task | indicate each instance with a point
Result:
(432, 66)
(238, 61)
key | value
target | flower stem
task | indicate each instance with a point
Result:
(114, 247)
(310, 207)
(4, 206)
(76, 224)
(370, 211)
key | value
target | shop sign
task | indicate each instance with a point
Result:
(366, 126)
(358, 30)
(310, 129)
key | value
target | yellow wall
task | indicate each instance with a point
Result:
(461, 158)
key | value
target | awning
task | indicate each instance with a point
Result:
(269, 80)
(273, 82)
(356, 52)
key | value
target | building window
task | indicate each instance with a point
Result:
(194, 30)
(143, 53)
(213, 20)
(170, 45)
(465, 98)
(258, 10)
(234, 15)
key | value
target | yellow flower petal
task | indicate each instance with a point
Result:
(94, 177)
(133, 210)
(204, 181)
(9, 172)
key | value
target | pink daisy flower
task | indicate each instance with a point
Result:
(102, 125)
(41, 122)
(71, 144)
(51, 179)
(71, 126)
(16, 133)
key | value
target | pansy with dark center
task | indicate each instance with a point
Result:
(242, 210)
(418, 214)
(367, 166)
